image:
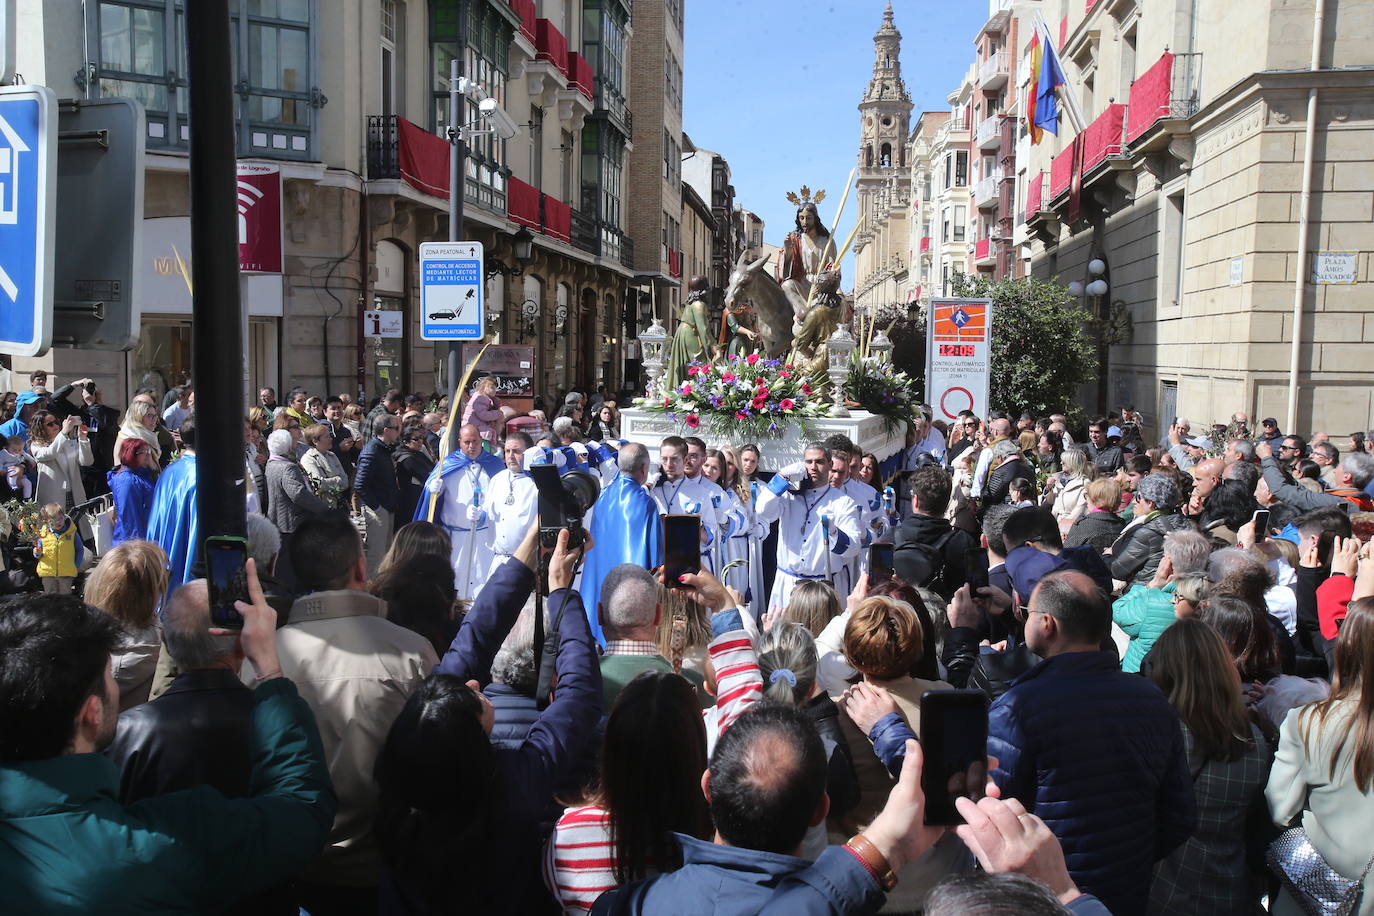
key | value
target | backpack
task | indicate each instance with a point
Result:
(933, 559)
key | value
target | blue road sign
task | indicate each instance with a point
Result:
(451, 300)
(28, 169)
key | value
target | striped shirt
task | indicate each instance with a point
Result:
(579, 859)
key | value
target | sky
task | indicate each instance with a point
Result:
(774, 88)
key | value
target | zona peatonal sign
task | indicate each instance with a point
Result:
(451, 278)
(958, 356)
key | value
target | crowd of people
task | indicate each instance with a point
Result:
(436, 703)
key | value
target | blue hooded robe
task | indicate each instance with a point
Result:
(455, 462)
(172, 520)
(625, 529)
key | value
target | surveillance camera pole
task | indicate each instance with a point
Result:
(458, 154)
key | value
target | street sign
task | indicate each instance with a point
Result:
(1335, 267)
(451, 295)
(958, 356)
(384, 324)
(97, 292)
(28, 227)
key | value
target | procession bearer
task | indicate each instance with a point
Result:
(512, 501)
(818, 525)
(462, 483)
(678, 494)
(873, 516)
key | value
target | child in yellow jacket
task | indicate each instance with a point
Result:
(59, 551)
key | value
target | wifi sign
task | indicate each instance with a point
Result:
(260, 217)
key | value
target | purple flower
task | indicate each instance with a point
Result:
(672, 416)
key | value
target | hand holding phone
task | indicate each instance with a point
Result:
(1260, 522)
(681, 546)
(880, 560)
(226, 577)
(976, 569)
(954, 737)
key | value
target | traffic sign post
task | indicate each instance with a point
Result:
(451, 294)
(28, 224)
(958, 356)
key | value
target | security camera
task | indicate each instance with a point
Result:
(496, 116)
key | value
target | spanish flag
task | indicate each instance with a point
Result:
(1033, 89)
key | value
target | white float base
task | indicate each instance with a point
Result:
(649, 428)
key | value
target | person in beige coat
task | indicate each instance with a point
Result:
(61, 449)
(355, 669)
(1068, 500)
(1323, 775)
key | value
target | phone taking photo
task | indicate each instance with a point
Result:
(954, 739)
(975, 569)
(226, 576)
(880, 559)
(681, 546)
(1260, 522)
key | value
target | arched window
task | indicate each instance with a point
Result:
(885, 156)
(868, 157)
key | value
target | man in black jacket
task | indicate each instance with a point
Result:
(377, 489)
(929, 552)
(200, 731)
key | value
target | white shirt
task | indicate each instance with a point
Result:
(692, 496)
(801, 541)
(512, 501)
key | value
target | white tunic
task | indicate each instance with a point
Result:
(802, 551)
(693, 496)
(875, 523)
(472, 544)
(512, 503)
(734, 541)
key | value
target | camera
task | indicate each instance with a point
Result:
(562, 503)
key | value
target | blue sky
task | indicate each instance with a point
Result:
(774, 86)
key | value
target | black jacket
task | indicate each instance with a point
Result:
(375, 477)
(412, 470)
(1137, 553)
(926, 546)
(842, 785)
(197, 733)
(1096, 529)
(1000, 478)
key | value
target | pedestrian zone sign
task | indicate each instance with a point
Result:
(28, 223)
(451, 299)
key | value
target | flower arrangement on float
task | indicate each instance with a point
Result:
(22, 516)
(879, 387)
(742, 399)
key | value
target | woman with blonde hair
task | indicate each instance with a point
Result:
(1229, 761)
(1066, 494)
(1099, 526)
(812, 605)
(128, 583)
(140, 422)
(755, 531)
(322, 467)
(1323, 776)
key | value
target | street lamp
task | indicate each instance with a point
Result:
(522, 246)
(838, 349)
(881, 346)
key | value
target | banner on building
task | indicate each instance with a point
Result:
(958, 356)
(260, 222)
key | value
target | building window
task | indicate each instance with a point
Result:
(885, 156)
(675, 13)
(134, 54)
(672, 81)
(959, 223)
(960, 168)
(486, 35)
(1171, 249)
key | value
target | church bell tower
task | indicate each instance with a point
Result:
(884, 124)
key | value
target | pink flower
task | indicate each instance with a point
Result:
(752, 358)
(785, 374)
(762, 392)
(806, 388)
(692, 370)
(707, 370)
(686, 388)
(693, 420)
(787, 404)
(727, 376)
(667, 402)
(741, 415)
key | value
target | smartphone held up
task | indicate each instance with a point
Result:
(226, 576)
(954, 739)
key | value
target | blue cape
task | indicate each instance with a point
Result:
(455, 462)
(172, 520)
(625, 529)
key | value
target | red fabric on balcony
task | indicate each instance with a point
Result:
(1035, 190)
(525, 10)
(1150, 97)
(580, 75)
(1089, 7)
(925, 243)
(1063, 33)
(981, 249)
(1061, 173)
(557, 219)
(1102, 137)
(551, 45)
(423, 158)
(522, 203)
(674, 263)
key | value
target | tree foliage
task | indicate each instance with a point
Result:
(1042, 351)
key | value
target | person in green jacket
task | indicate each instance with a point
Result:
(1146, 611)
(71, 847)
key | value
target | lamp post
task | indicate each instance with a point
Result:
(838, 349)
(881, 346)
(652, 341)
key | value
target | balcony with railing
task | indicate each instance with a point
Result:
(1061, 172)
(1102, 138)
(985, 252)
(526, 11)
(989, 133)
(584, 234)
(994, 70)
(1035, 194)
(949, 131)
(524, 207)
(1168, 91)
(580, 75)
(550, 45)
(400, 149)
(985, 190)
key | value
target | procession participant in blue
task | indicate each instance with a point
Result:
(625, 528)
(513, 501)
(459, 488)
(680, 493)
(172, 520)
(818, 525)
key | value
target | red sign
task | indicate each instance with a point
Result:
(259, 206)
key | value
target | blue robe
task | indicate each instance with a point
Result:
(455, 462)
(625, 529)
(172, 520)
